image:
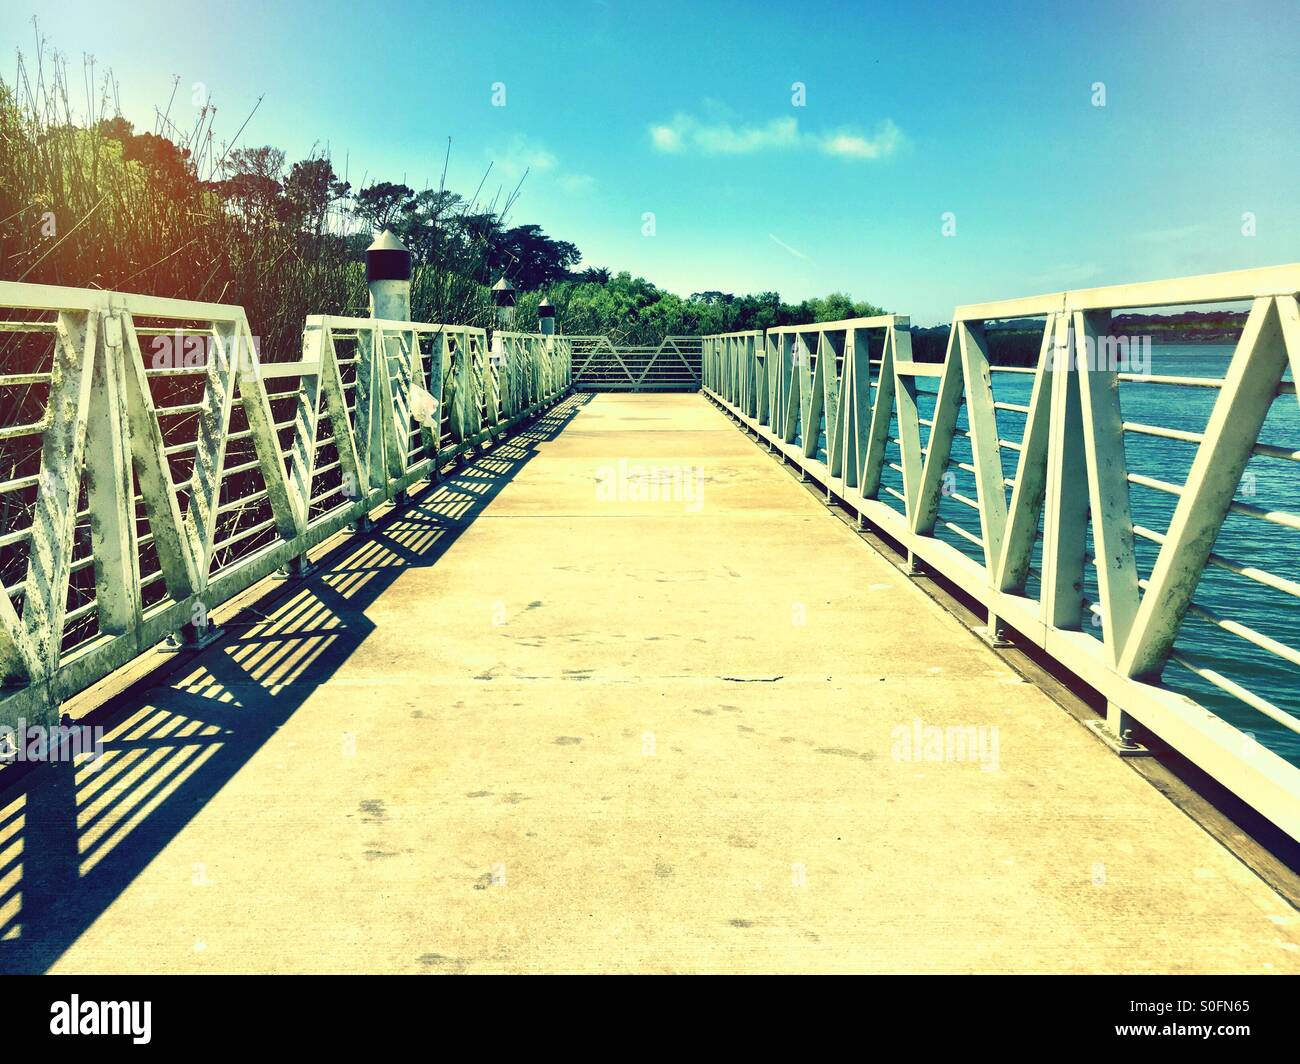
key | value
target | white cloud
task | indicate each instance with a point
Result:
(666, 138)
(887, 140)
(721, 137)
(521, 154)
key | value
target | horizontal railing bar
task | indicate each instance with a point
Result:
(244, 467)
(32, 428)
(919, 368)
(326, 494)
(175, 371)
(19, 483)
(181, 408)
(1242, 631)
(1268, 450)
(1237, 691)
(958, 530)
(1155, 484)
(243, 500)
(1182, 291)
(240, 536)
(1009, 482)
(1164, 433)
(73, 616)
(277, 370)
(1264, 450)
(1276, 517)
(1185, 382)
(1250, 572)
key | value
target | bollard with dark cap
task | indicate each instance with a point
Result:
(546, 317)
(388, 271)
(503, 298)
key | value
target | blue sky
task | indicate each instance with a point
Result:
(685, 110)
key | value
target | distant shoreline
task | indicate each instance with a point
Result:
(1016, 342)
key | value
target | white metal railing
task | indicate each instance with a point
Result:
(153, 466)
(1070, 482)
(601, 365)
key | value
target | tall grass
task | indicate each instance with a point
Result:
(76, 211)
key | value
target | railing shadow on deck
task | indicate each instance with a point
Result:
(72, 839)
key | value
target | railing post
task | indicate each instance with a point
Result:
(503, 300)
(546, 327)
(388, 274)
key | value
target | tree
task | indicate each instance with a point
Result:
(432, 226)
(168, 164)
(310, 190)
(253, 184)
(382, 204)
(530, 258)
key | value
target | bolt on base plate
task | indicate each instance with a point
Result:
(993, 638)
(292, 572)
(1120, 744)
(176, 643)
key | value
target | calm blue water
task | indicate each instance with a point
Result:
(1269, 483)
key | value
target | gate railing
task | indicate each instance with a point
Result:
(1071, 478)
(153, 466)
(600, 365)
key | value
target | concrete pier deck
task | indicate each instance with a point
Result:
(567, 714)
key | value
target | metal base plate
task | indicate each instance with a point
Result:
(174, 645)
(994, 639)
(293, 574)
(1123, 747)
